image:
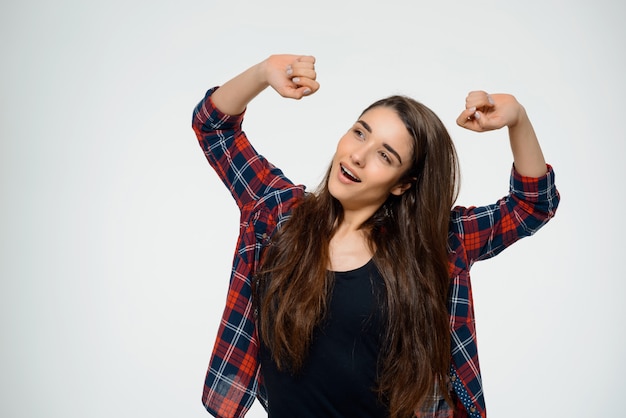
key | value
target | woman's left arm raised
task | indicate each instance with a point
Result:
(487, 112)
(533, 197)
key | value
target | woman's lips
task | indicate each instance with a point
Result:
(349, 174)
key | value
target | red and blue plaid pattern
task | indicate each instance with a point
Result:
(265, 198)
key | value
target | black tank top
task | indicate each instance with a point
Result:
(339, 377)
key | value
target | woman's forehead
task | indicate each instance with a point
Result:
(385, 123)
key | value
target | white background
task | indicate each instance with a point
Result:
(116, 238)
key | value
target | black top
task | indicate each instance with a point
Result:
(338, 379)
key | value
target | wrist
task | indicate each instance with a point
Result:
(520, 119)
(261, 71)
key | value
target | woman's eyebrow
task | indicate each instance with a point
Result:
(387, 146)
(365, 125)
(393, 151)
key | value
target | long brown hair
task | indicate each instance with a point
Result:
(409, 235)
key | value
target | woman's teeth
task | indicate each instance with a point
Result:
(349, 174)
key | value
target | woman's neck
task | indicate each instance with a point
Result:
(348, 248)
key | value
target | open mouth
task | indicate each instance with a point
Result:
(347, 173)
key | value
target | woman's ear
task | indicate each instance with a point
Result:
(402, 187)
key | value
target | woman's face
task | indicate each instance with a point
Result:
(370, 161)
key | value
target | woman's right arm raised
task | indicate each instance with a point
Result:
(292, 76)
(218, 117)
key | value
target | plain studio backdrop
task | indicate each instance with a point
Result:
(117, 238)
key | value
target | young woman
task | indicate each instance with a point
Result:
(355, 300)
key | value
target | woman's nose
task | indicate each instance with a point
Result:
(359, 155)
(357, 159)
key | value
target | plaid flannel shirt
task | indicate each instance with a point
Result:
(265, 198)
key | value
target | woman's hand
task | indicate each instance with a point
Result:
(292, 76)
(486, 112)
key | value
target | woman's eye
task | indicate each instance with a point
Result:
(385, 156)
(359, 133)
